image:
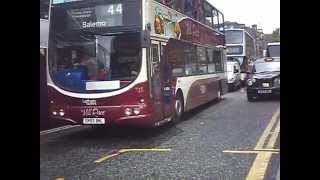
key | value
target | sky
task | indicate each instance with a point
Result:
(264, 13)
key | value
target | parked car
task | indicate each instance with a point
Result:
(233, 75)
(264, 78)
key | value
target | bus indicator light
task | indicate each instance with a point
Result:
(128, 111)
(139, 89)
(136, 111)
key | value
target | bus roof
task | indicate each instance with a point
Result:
(234, 29)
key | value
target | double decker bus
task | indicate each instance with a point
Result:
(133, 62)
(240, 46)
(44, 34)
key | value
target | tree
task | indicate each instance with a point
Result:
(276, 35)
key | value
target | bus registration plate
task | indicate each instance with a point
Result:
(93, 121)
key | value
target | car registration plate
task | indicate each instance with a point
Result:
(265, 91)
(265, 85)
(94, 121)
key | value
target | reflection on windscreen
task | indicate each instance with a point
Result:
(234, 37)
(274, 51)
(95, 62)
(266, 67)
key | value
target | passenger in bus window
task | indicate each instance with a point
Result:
(88, 64)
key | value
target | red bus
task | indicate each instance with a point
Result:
(134, 62)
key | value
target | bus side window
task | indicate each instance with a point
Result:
(190, 60)
(154, 59)
(211, 65)
(217, 55)
(165, 64)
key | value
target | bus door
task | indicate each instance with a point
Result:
(166, 81)
(156, 85)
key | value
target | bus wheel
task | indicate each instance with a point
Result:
(178, 109)
(219, 93)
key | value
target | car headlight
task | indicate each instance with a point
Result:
(251, 81)
(276, 81)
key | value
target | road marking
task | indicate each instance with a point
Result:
(256, 151)
(121, 151)
(106, 157)
(274, 136)
(264, 154)
(278, 174)
(266, 132)
(60, 178)
(260, 164)
(57, 129)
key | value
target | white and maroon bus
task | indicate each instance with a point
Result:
(137, 62)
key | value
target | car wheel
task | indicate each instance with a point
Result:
(250, 98)
(219, 94)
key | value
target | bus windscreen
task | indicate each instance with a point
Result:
(234, 37)
(94, 45)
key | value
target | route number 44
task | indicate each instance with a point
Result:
(115, 9)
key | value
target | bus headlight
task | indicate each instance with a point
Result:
(61, 113)
(128, 111)
(54, 113)
(250, 83)
(136, 111)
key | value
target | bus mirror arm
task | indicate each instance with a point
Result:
(145, 39)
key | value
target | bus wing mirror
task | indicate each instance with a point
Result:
(145, 39)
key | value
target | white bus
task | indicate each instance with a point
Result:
(241, 46)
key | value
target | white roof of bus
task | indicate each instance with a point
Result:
(236, 29)
(274, 43)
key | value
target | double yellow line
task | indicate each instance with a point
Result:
(260, 164)
(264, 149)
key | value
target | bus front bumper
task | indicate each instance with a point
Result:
(109, 115)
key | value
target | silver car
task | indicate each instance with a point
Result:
(233, 75)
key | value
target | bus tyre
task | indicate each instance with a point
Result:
(178, 109)
(219, 94)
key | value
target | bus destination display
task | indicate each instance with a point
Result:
(99, 16)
